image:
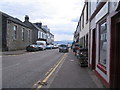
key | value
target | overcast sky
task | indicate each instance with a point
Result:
(61, 16)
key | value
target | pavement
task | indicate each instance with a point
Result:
(71, 75)
(17, 52)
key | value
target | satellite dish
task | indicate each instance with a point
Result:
(116, 4)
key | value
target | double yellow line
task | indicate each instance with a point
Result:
(52, 70)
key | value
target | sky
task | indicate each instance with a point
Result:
(61, 16)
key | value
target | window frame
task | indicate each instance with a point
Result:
(82, 20)
(101, 66)
(29, 35)
(15, 32)
(87, 12)
(23, 37)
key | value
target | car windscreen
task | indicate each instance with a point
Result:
(76, 45)
(63, 45)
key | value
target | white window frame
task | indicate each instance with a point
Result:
(15, 32)
(23, 29)
(29, 35)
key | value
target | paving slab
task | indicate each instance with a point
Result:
(17, 52)
(71, 75)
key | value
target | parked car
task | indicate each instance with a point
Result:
(32, 47)
(41, 45)
(63, 48)
(55, 46)
(49, 47)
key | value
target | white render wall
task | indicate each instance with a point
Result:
(111, 9)
(102, 13)
(105, 76)
(85, 30)
(107, 9)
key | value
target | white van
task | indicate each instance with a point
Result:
(41, 45)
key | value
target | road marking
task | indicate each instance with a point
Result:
(72, 60)
(52, 70)
(48, 71)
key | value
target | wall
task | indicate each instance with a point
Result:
(34, 35)
(84, 31)
(102, 14)
(18, 43)
(0, 31)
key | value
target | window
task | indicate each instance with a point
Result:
(80, 25)
(15, 32)
(42, 35)
(23, 34)
(39, 34)
(83, 20)
(103, 43)
(87, 12)
(29, 35)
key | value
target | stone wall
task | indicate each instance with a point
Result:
(18, 43)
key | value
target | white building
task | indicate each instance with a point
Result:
(100, 32)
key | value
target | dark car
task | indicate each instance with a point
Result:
(63, 48)
(32, 48)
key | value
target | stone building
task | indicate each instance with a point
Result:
(42, 36)
(49, 35)
(15, 34)
(34, 29)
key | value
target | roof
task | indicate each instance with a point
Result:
(33, 26)
(15, 20)
(38, 27)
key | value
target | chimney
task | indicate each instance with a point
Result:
(39, 24)
(26, 18)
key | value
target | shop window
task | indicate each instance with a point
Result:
(103, 43)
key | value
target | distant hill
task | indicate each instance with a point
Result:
(63, 42)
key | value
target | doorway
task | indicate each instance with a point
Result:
(93, 49)
(115, 52)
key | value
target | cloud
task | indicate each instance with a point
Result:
(75, 19)
(61, 16)
(60, 37)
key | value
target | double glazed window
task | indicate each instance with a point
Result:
(14, 32)
(103, 42)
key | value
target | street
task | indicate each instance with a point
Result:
(26, 70)
(22, 71)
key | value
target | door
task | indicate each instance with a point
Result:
(115, 53)
(93, 48)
